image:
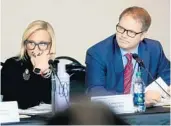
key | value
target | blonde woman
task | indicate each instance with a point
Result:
(26, 77)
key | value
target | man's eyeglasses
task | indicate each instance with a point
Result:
(130, 33)
(41, 45)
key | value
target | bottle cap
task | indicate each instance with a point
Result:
(138, 74)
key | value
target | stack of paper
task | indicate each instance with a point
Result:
(164, 102)
(36, 110)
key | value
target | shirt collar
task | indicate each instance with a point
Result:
(123, 52)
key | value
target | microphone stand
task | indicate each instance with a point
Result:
(141, 65)
(53, 83)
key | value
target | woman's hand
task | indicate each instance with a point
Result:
(40, 60)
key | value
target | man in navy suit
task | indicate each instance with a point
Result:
(107, 60)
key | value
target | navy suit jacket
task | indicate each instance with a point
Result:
(105, 70)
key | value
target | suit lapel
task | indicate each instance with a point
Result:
(145, 56)
(118, 59)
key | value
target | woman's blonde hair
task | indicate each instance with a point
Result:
(32, 28)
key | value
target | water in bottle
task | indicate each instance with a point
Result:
(139, 93)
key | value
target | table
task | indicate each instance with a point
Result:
(153, 116)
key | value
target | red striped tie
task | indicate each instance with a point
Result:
(128, 74)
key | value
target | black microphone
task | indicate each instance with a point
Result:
(138, 60)
(141, 64)
(53, 65)
(50, 62)
(53, 62)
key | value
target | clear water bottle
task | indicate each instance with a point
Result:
(139, 94)
(61, 90)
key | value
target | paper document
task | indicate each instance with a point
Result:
(9, 112)
(36, 110)
(117, 103)
(156, 87)
(1, 98)
(163, 102)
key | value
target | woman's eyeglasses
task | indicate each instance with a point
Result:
(31, 45)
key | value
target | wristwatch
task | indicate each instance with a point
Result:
(37, 71)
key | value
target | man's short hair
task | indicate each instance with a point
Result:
(139, 14)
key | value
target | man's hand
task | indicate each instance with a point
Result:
(152, 97)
